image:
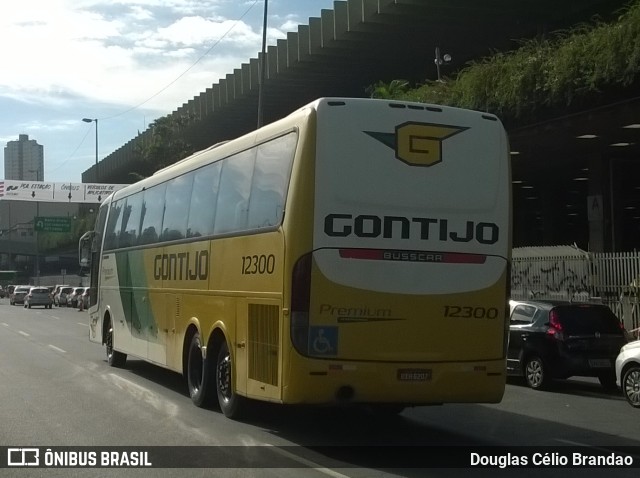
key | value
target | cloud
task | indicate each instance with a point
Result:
(202, 31)
(126, 62)
(118, 52)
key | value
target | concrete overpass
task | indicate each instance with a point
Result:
(359, 42)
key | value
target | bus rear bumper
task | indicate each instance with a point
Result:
(322, 382)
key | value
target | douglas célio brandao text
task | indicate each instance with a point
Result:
(550, 459)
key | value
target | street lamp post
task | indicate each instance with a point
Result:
(263, 66)
(89, 120)
(37, 238)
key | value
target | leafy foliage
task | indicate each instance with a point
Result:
(552, 73)
(166, 145)
(391, 90)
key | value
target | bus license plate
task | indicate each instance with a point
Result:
(414, 375)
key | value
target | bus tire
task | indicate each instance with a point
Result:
(231, 405)
(114, 358)
(199, 374)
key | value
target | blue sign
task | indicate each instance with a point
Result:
(323, 340)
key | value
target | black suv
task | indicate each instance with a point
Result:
(557, 339)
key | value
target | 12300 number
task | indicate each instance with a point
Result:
(258, 264)
(464, 312)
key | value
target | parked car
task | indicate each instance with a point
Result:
(73, 296)
(39, 296)
(61, 298)
(56, 292)
(18, 294)
(628, 372)
(2, 292)
(557, 339)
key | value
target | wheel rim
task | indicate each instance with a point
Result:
(223, 377)
(195, 368)
(535, 373)
(632, 387)
(109, 342)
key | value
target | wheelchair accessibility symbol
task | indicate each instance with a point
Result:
(323, 340)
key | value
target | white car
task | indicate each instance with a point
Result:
(628, 372)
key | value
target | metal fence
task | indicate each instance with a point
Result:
(610, 278)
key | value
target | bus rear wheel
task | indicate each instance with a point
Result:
(199, 374)
(231, 405)
(114, 358)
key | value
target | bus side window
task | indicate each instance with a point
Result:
(131, 221)
(233, 198)
(270, 181)
(204, 196)
(151, 214)
(177, 199)
(113, 225)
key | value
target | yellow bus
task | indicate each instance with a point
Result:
(355, 252)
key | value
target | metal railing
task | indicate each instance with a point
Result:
(610, 278)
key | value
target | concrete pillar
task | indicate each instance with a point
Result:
(598, 201)
(552, 201)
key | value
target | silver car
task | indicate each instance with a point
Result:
(19, 293)
(39, 296)
(628, 372)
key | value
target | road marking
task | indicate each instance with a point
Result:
(144, 394)
(5, 324)
(571, 442)
(23, 333)
(586, 445)
(57, 349)
(82, 323)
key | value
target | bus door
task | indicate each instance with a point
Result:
(115, 299)
(148, 331)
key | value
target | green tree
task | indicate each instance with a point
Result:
(570, 68)
(388, 91)
(167, 145)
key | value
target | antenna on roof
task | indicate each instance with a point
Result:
(439, 60)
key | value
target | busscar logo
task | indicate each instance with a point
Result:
(418, 144)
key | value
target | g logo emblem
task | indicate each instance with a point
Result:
(420, 144)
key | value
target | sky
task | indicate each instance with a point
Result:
(123, 62)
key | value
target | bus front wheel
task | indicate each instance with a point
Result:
(114, 358)
(231, 405)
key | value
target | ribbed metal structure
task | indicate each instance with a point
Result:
(352, 46)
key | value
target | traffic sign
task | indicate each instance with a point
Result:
(52, 224)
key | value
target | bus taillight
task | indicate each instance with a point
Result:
(300, 300)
